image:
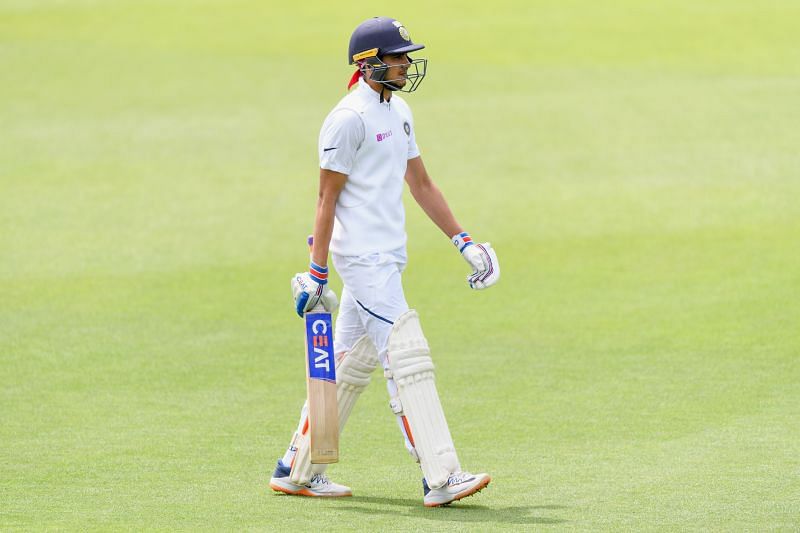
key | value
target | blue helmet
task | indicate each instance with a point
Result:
(380, 36)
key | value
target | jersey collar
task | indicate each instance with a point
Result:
(368, 92)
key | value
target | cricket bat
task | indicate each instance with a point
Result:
(323, 408)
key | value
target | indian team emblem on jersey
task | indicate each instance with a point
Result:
(407, 128)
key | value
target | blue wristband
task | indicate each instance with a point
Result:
(318, 273)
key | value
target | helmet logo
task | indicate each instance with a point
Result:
(403, 32)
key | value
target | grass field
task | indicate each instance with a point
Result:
(635, 164)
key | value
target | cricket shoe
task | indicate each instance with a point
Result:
(459, 485)
(319, 485)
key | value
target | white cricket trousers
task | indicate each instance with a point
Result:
(372, 299)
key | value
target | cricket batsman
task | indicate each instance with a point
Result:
(367, 149)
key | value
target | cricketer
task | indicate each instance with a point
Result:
(367, 149)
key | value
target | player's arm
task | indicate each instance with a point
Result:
(309, 288)
(482, 258)
(430, 197)
(331, 184)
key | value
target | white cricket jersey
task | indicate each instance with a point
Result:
(371, 142)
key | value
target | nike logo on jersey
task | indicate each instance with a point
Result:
(329, 149)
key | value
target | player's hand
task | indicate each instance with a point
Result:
(482, 258)
(309, 289)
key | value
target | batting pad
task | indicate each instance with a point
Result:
(352, 377)
(412, 370)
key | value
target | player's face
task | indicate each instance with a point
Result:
(398, 67)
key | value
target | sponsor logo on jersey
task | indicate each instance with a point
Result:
(384, 135)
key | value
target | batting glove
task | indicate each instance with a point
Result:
(309, 290)
(482, 258)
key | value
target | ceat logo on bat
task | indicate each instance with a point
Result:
(319, 339)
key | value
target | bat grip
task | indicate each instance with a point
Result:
(319, 308)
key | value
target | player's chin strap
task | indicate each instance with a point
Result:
(387, 85)
(391, 86)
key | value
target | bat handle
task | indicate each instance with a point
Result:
(319, 308)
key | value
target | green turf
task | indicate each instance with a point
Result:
(635, 164)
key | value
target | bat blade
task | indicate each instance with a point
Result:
(323, 410)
